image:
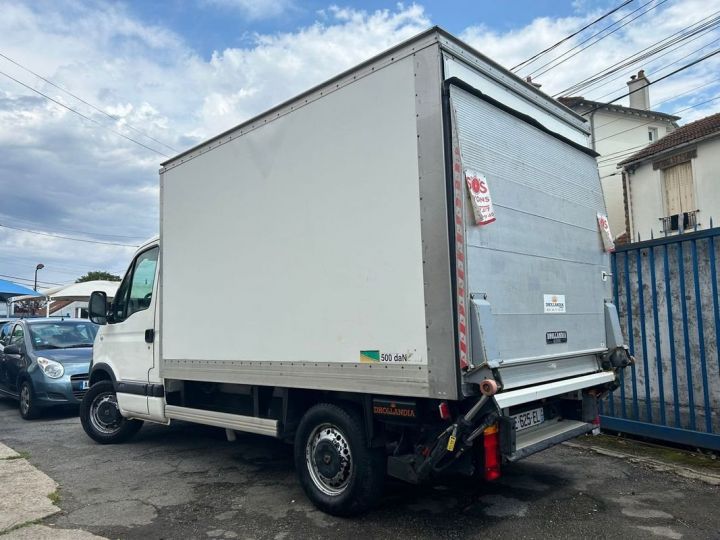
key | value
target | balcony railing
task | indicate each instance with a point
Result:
(679, 223)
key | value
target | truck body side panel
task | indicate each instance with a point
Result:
(299, 244)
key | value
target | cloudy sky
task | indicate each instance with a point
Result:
(170, 74)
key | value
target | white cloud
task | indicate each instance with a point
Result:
(512, 47)
(255, 9)
(59, 172)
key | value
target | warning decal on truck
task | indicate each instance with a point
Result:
(459, 214)
(480, 197)
(372, 357)
(368, 357)
(607, 239)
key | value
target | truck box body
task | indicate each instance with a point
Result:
(326, 244)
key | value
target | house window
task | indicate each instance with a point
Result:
(652, 134)
(679, 198)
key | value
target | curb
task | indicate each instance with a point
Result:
(28, 498)
(661, 466)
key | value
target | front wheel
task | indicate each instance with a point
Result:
(28, 409)
(337, 469)
(100, 415)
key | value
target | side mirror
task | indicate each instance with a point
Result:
(12, 349)
(98, 307)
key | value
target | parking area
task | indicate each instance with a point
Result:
(187, 481)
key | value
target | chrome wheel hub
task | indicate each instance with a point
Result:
(105, 414)
(329, 459)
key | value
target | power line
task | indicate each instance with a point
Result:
(681, 35)
(30, 280)
(117, 119)
(538, 55)
(78, 231)
(683, 68)
(53, 264)
(658, 70)
(83, 116)
(67, 237)
(535, 72)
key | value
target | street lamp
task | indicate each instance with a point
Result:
(40, 266)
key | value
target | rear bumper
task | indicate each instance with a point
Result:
(565, 422)
(547, 436)
(555, 388)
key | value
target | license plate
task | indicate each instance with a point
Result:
(528, 419)
(85, 385)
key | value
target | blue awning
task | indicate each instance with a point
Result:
(8, 289)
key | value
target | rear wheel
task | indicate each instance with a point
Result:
(100, 415)
(28, 409)
(338, 471)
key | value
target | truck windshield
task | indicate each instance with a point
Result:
(61, 334)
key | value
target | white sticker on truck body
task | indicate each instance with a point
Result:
(554, 303)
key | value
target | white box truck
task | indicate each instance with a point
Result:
(399, 271)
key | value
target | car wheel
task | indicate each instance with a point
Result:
(338, 471)
(100, 415)
(28, 409)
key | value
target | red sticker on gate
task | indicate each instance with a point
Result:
(480, 197)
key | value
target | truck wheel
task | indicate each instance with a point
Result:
(100, 415)
(28, 409)
(338, 471)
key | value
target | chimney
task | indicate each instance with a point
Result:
(640, 94)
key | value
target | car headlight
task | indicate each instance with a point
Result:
(51, 368)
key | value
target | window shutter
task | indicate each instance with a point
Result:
(679, 193)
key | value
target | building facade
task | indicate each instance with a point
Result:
(673, 185)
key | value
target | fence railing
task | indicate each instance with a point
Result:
(666, 291)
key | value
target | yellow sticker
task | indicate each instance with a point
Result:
(451, 443)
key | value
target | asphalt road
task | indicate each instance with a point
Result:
(187, 481)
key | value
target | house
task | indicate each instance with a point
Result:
(672, 185)
(617, 132)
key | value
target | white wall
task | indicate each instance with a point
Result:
(619, 134)
(646, 192)
(706, 177)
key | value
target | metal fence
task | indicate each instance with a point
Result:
(666, 290)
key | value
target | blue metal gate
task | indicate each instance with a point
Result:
(666, 291)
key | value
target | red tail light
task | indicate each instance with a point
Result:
(491, 441)
(444, 409)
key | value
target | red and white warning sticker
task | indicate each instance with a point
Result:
(608, 243)
(480, 197)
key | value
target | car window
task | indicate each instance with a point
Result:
(5, 333)
(61, 334)
(17, 335)
(142, 282)
(119, 303)
(135, 291)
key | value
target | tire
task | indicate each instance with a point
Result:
(28, 409)
(100, 415)
(331, 440)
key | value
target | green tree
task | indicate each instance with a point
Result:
(98, 274)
